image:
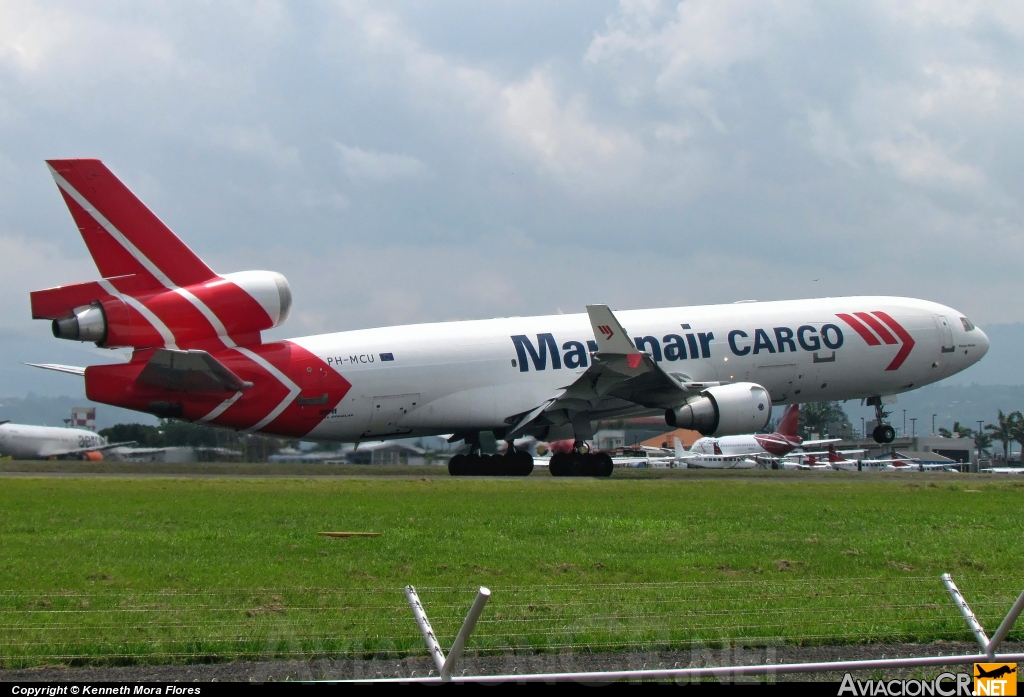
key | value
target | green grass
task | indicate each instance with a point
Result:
(97, 570)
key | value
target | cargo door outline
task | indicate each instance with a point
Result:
(387, 413)
(781, 376)
(946, 330)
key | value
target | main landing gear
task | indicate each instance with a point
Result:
(580, 464)
(882, 433)
(514, 463)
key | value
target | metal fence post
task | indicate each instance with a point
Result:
(424, 623)
(467, 628)
(1005, 627)
(966, 611)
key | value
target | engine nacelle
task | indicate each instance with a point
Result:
(725, 410)
(86, 323)
(238, 305)
(269, 288)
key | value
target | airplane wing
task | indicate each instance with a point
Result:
(825, 441)
(192, 370)
(619, 379)
(72, 369)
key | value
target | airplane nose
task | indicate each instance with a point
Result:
(982, 344)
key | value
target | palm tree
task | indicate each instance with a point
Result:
(1016, 423)
(1001, 431)
(957, 432)
(983, 441)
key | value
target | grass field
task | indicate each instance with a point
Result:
(97, 570)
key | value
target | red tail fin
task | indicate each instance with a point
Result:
(123, 236)
(718, 450)
(789, 422)
(833, 456)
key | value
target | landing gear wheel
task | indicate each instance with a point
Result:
(457, 466)
(580, 464)
(560, 465)
(522, 463)
(603, 465)
(884, 433)
(484, 465)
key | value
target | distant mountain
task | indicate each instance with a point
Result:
(51, 411)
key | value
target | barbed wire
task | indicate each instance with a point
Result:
(170, 625)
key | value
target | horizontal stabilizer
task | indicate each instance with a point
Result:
(72, 369)
(193, 371)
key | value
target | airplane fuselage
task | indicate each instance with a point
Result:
(436, 378)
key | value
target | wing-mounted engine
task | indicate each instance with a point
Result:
(724, 410)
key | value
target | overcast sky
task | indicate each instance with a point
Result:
(404, 162)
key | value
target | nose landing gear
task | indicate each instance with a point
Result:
(883, 432)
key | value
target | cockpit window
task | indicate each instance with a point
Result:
(967, 324)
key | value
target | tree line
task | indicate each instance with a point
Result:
(252, 447)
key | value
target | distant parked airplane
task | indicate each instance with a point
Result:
(717, 460)
(25, 442)
(783, 441)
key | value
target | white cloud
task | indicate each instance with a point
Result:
(369, 165)
(257, 142)
(38, 265)
(666, 152)
(916, 159)
(530, 116)
(563, 137)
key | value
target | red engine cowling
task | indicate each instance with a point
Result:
(226, 310)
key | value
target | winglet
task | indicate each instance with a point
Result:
(610, 336)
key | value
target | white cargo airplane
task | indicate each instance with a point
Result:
(198, 353)
(24, 442)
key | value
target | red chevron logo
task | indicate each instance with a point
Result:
(877, 328)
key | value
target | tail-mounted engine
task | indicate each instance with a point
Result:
(233, 307)
(198, 354)
(724, 410)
